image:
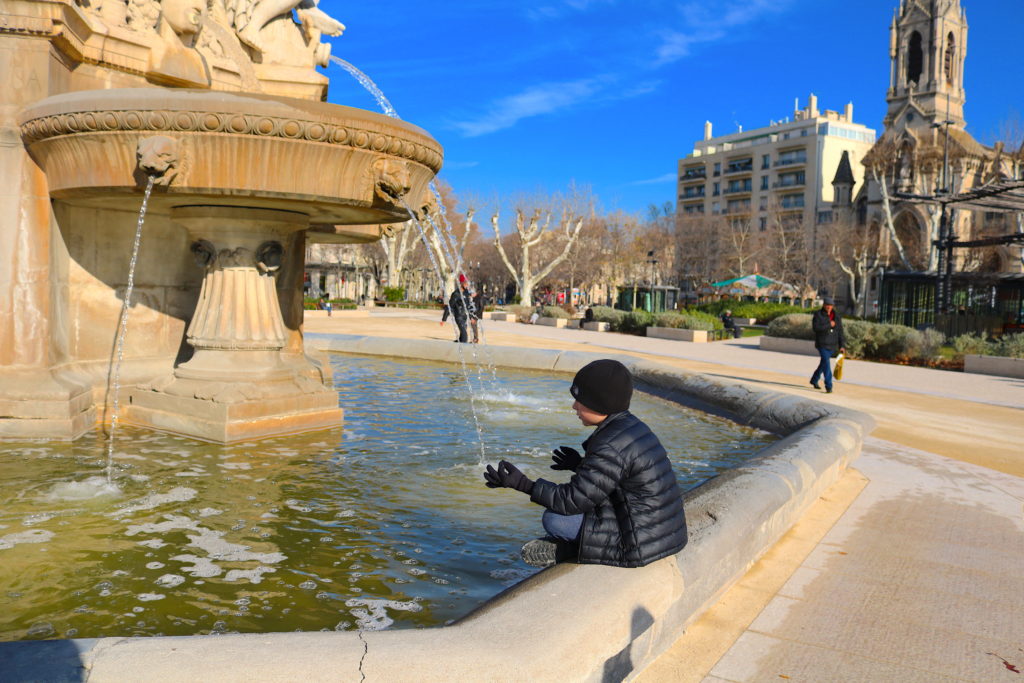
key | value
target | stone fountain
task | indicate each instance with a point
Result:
(220, 107)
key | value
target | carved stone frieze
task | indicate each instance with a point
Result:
(45, 127)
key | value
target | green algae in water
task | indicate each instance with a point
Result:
(384, 523)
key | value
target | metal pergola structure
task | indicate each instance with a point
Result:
(1003, 196)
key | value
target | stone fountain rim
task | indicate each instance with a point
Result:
(217, 102)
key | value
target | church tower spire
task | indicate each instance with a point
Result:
(927, 46)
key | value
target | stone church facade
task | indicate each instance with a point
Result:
(924, 151)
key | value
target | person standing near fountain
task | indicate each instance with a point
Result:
(460, 305)
(623, 506)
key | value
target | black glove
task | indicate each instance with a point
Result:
(566, 458)
(507, 476)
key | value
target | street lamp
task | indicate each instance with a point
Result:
(653, 261)
(942, 293)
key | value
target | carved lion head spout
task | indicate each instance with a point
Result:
(391, 179)
(158, 158)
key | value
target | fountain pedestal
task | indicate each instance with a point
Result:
(239, 383)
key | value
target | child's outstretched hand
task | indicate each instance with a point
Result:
(566, 458)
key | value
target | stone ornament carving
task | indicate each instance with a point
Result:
(389, 172)
(391, 179)
(248, 32)
(158, 158)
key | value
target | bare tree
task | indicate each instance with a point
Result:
(881, 162)
(398, 241)
(854, 249)
(532, 227)
(740, 245)
(699, 250)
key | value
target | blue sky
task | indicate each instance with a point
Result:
(528, 97)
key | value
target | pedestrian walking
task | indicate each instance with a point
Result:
(828, 340)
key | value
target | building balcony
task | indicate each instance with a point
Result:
(693, 174)
(780, 185)
(739, 190)
(791, 162)
(736, 170)
(691, 197)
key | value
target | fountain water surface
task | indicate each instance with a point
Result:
(390, 527)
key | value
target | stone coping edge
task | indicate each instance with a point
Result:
(566, 623)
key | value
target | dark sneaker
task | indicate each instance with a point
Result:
(828, 390)
(815, 385)
(540, 552)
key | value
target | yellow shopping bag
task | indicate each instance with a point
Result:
(838, 372)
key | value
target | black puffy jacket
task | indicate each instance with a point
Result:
(627, 492)
(826, 336)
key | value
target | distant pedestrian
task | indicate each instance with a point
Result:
(730, 324)
(476, 312)
(828, 340)
(458, 307)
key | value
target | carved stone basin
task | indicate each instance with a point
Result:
(337, 165)
(250, 178)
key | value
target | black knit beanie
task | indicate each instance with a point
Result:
(604, 386)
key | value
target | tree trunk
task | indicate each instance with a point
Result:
(890, 226)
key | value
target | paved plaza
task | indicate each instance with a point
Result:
(908, 569)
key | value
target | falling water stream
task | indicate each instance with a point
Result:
(114, 378)
(449, 253)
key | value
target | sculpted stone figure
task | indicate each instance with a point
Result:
(251, 16)
(173, 61)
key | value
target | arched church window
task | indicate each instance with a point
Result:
(915, 58)
(947, 65)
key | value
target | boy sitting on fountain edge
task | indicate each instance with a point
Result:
(623, 506)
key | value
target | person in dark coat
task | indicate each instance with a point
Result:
(460, 305)
(730, 324)
(476, 312)
(623, 506)
(828, 339)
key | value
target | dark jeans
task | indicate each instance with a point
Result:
(463, 337)
(562, 527)
(824, 368)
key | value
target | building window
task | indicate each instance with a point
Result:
(792, 201)
(764, 224)
(766, 160)
(824, 217)
(793, 156)
(718, 168)
(803, 133)
(915, 59)
(715, 208)
(716, 191)
(764, 203)
(764, 182)
(949, 57)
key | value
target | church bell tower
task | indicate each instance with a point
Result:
(927, 46)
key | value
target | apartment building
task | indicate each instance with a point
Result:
(787, 167)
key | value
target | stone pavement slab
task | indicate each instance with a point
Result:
(920, 579)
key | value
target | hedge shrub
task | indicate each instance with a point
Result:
(875, 341)
(687, 321)
(763, 312)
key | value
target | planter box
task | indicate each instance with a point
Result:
(502, 315)
(679, 335)
(597, 326)
(804, 347)
(553, 322)
(994, 365)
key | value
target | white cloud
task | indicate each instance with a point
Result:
(664, 178)
(706, 22)
(460, 165)
(534, 101)
(556, 10)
